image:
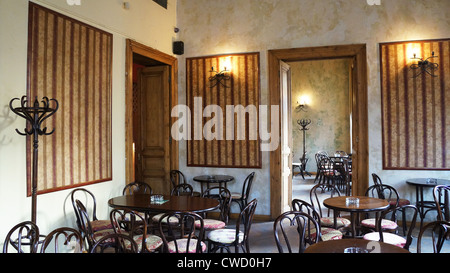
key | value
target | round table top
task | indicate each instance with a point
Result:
(427, 182)
(366, 204)
(354, 246)
(141, 202)
(214, 178)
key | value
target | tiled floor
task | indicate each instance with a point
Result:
(262, 238)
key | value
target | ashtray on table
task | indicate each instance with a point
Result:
(352, 201)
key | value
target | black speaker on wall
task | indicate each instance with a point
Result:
(178, 48)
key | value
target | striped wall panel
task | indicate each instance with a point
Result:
(415, 110)
(239, 146)
(71, 62)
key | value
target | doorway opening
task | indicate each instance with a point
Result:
(280, 187)
(321, 117)
(150, 94)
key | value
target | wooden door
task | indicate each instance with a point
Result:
(152, 137)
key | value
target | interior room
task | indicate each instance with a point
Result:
(234, 81)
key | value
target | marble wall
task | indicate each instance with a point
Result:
(221, 27)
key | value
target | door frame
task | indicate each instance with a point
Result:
(360, 132)
(151, 53)
(286, 135)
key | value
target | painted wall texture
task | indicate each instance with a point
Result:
(220, 27)
(146, 22)
(324, 86)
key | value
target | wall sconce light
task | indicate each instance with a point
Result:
(222, 76)
(424, 65)
(302, 104)
(301, 107)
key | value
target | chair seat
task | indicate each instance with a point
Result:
(236, 195)
(401, 202)
(327, 234)
(98, 225)
(101, 233)
(182, 246)
(210, 224)
(172, 220)
(153, 242)
(385, 224)
(388, 237)
(225, 236)
(329, 222)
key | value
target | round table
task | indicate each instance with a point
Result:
(216, 178)
(354, 246)
(425, 206)
(143, 203)
(366, 204)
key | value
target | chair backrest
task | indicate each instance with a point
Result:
(246, 218)
(137, 188)
(376, 179)
(439, 232)
(298, 225)
(441, 194)
(319, 155)
(75, 195)
(224, 197)
(326, 165)
(85, 224)
(247, 185)
(60, 241)
(384, 191)
(182, 189)
(320, 192)
(177, 178)
(181, 232)
(303, 206)
(130, 223)
(115, 243)
(23, 237)
(408, 210)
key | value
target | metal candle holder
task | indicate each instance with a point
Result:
(34, 115)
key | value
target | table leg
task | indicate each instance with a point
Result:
(201, 188)
(420, 204)
(335, 218)
(353, 217)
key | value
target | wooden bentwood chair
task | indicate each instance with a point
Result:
(385, 192)
(59, 241)
(91, 236)
(178, 178)
(224, 197)
(226, 237)
(115, 243)
(392, 237)
(326, 233)
(242, 197)
(95, 223)
(181, 235)
(316, 195)
(298, 225)
(23, 237)
(131, 223)
(137, 188)
(440, 230)
(441, 194)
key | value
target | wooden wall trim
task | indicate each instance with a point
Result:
(359, 107)
(141, 49)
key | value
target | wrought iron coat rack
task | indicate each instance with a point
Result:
(34, 115)
(304, 123)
